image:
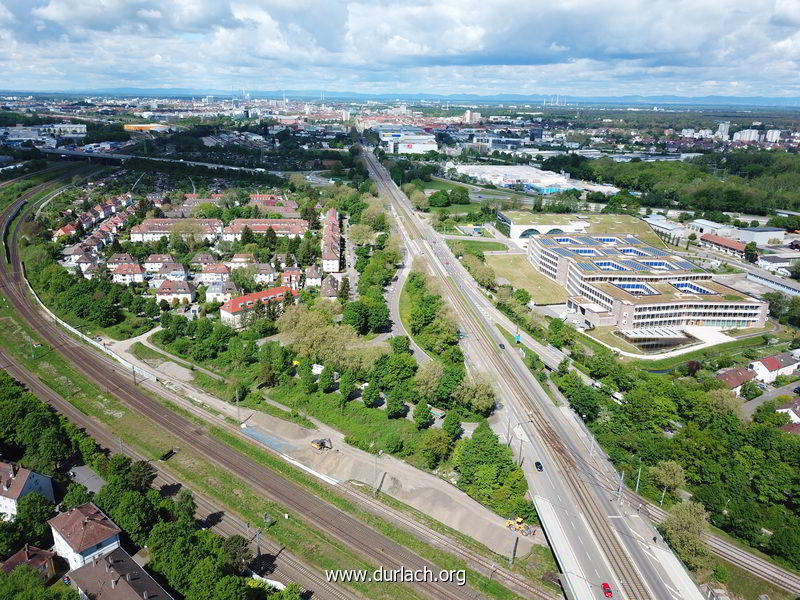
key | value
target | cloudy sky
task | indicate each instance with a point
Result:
(573, 47)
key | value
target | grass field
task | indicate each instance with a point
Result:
(606, 335)
(439, 184)
(516, 269)
(455, 209)
(624, 224)
(475, 246)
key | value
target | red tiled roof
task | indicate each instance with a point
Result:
(724, 242)
(128, 269)
(12, 480)
(279, 226)
(28, 555)
(84, 526)
(215, 268)
(234, 305)
(779, 361)
(173, 287)
(736, 377)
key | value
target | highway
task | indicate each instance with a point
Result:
(301, 504)
(588, 533)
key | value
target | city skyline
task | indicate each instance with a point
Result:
(634, 48)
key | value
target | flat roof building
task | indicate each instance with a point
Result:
(616, 280)
(523, 224)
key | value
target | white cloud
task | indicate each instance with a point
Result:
(578, 47)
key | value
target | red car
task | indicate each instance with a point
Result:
(607, 591)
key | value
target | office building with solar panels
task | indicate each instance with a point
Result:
(616, 280)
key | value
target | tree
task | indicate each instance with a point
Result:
(428, 379)
(435, 447)
(326, 379)
(344, 290)
(76, 495)
(749, 390)
(360, 234)
(33, 511)
(372, 393)
(751, 252)
(422, 415)
(400, 344)
(778, 303)
(237, 554)
(347, 383)
(185, 505)
(668, 474)
(452, 425)
(395, 405)
(684, 529)
(785, 541)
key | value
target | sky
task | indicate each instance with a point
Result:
(568, 47)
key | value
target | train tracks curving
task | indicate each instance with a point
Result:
(370, 544)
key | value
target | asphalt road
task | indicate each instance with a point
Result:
(582, 532)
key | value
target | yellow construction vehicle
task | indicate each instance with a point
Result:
(321, 444)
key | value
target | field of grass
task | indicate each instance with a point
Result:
(516, 269)
(730, 348)
(475, 246)
(440, 184)
(456, 208)
(624, 224)
(606, 335)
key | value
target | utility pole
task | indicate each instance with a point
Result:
(638, 476)
(258, 542)
(133, 370)
(619, 489)
(508, 433)
(520, 452)
(238, 415)
(664, 493)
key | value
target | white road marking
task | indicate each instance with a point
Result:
(573, 524)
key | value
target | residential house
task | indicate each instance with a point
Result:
(792, 409)
(221, 291)
(264, 273)
(241, 260)
(116, 576)
(329, 287)
(154, 262)
(126, 273)
(152, 230)
(234, 310)
(120, 259)
(331, 242)
(721, 244)
(82, 534)
(213, 273)
(35, 558)
(65, 231)
(290, 228)
(169, 271)
(735, 378)
(281, 261)
(170, 290)
(313, 277)
(200, 259)
(292, 277)
(769, 368)
(17, 482)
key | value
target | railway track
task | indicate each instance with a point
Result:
(364, 540)
(286, 566)
(620, 562)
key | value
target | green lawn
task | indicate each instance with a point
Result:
(438, 184)
(624, 224)
(478, 246)
(516, 269)
(457, 208)
(605, 334)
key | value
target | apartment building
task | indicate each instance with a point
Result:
(234, 311)
(282, 227)
(331, 242)
(616, 280)
(152, 230)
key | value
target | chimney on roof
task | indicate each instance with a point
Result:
(144, 594)
(27, 553)
(108, 566)
(113, 583)
(127, 576)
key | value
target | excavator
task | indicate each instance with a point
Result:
(321, 444)
(520, 526)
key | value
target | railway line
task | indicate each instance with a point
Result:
(286, 566)
(364, 540)
(583, 470)
(623, 567)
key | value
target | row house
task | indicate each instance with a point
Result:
(120, 259)
(213, 273)
(282, 227)
(116, 576)
(331, 242)
(722, 244)
(768, 369)
(152, 230)
(41, 561)
(125, 274)
(200, 259)
(234, 311)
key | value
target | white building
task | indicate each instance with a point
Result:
(747, 135)
(221, 292)
(171, 290)
(706, 226)
(524, 224)
(760, 235)
(767, 369)
(774, 136)
(128, 273)
(154, 262)
(661, 224)
(17, 482)
(82, 534)
(313, 277)
(213, 273)
(234, 311)
(264, 273)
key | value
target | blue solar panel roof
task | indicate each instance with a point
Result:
(563, 251)
(587, 266)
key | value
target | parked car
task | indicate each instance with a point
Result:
(539, 466)
(796, 390)
(502, 346)
(607, 591)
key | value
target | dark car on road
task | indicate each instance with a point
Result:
(539, 466)
(502, 346)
